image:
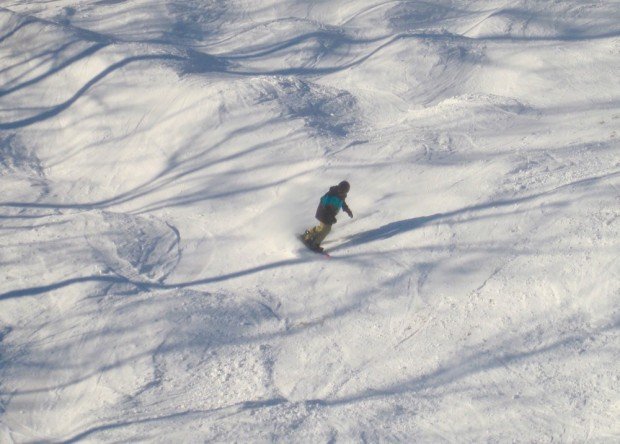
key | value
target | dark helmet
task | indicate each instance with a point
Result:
(344, 187)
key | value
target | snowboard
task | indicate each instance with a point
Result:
(312, 248)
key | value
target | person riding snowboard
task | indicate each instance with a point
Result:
(329, 206)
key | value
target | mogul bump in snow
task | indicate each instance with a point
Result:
(328, 208)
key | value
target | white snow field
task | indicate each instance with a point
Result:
(158, 159)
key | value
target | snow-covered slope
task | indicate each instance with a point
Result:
(157, 159)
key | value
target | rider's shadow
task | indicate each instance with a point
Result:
(389, 230)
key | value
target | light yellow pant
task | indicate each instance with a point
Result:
(317, 234)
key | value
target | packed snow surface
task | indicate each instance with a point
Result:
(159, 158)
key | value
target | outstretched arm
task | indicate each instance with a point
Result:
(346, 209)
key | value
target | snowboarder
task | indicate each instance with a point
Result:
(330, 204)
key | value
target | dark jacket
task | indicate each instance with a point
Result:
(330, 205)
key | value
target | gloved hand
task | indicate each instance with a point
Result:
(350, 213)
